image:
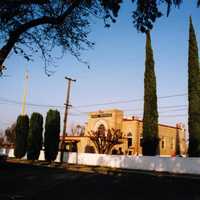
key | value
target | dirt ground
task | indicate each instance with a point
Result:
(22, 181)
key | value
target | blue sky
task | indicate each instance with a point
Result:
(116, 74)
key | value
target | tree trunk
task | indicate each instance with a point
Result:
(6, 49)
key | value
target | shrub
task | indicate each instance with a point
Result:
(35, 136)
(52, 134)
(22, 128)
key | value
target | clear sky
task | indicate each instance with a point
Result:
(116, 74)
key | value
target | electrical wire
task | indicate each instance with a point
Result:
(129, 101)
(2, 99)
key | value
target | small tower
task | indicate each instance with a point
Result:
(25, 93)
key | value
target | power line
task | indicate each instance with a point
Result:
(181, 107)
(2, 99)
(30, 104)
(174, 106)
(160, 107)
(160, 116)
(165, 111)
(129, 101)
(173, 110)
(178, 115)
(86, 112)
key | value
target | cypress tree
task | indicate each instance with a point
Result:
(193, 94)
(22, 128)
(150, 115)
(52, 135)
(178, 152)
(35, 136)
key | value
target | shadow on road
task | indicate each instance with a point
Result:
(21, 181)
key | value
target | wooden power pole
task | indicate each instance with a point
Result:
(67, 106)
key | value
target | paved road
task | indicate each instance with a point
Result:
(21, 181)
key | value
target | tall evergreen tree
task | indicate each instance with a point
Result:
(193, 94)
(35, 136)
(178, 151)
(22, 128)
(150, 115)
(52, 134)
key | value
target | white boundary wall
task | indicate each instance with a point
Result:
(147, 163)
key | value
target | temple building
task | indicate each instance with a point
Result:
(171, 138)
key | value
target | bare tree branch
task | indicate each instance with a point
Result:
(104, 140)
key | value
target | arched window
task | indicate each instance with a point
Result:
(163, 143)
(130, 139)
(129, 135)
(101, 128)
(100, 123)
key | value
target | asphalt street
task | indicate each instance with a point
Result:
(23, 181)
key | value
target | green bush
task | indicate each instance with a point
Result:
(52, 134)
(22, 128)
(35, 136)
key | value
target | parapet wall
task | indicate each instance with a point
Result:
(177, 165)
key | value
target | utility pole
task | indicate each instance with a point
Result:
(67, 106)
